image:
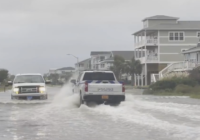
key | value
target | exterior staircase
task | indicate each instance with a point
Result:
(175, 69)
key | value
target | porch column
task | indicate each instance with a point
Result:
(145, 59)
(138, 79)
(134, 41)
(135, 79)
(142, 79)
(139, 53)
(135, 53)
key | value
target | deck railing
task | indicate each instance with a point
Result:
(178, 66)
(147, 42)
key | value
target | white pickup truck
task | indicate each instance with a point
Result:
(29, 86)
(99, 87)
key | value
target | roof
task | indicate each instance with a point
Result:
(160, 17)
(193, 49)
(67, 68)
(99, 52)
(29, 74)
(180, 25)
(84, 61)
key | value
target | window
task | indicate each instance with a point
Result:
(181, 36)
(102, 58)
(29, 79)
(198, 34)
(98, 76)
(176, 36)
(171, 36)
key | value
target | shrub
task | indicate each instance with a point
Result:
(170, 84)
(185, 81)
(163, 84)
(195, 75)
(183, 89)
(196, 90)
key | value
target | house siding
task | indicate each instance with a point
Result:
(95, 59)
(171, 57)
(187, 33)
(188, 40)
(154, 22)
(106, 66)
(173, 49)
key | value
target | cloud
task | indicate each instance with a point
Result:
(37, 34)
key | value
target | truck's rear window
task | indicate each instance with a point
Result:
(98, 76)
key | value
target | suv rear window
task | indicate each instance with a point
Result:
(98, 76)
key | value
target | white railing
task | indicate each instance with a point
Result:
(147, 42)
(148, 59)
(178, 66)
(151, 41)
(152, 58)
(154, 78)
(142, 59)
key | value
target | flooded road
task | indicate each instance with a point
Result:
(140, 117)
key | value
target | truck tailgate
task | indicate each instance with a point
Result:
(104, 87)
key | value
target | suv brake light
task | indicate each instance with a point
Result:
(86, 87)
(123, 87)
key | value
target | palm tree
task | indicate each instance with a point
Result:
(126, 69)
(118, 66)
(135, 67)
(130, 68)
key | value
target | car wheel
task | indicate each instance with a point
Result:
(14, 98)
(115, 103)
(43, 97)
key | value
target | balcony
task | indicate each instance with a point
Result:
(147, 42)
(148, 59)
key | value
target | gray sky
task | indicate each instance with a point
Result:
(36, 35)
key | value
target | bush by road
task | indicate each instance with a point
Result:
(176, 86)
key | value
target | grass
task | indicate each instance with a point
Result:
(196, 96)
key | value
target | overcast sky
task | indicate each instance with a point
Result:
(36, 35)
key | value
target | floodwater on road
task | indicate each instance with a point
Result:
(140, 117)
